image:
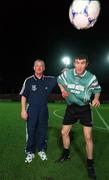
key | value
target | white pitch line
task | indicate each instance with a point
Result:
(101, 107)
(100, 128)
(61, 117)
(104, 122)
(55, 114)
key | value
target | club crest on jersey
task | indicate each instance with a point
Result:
(46, 88)
(34, 88)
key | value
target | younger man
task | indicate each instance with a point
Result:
(78, 86)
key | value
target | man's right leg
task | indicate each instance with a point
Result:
(31, 135)
(30, 148)
(66, 143)
(89, 149)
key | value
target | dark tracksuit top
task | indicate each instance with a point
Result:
(36, 92)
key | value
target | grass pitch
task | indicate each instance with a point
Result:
(12, 142)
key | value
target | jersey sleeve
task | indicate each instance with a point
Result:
(25, 89)
(94, 86)
(62, 79)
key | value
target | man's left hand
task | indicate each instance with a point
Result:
(95, 102)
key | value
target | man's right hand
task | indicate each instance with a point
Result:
(24, 115)
(65, 94)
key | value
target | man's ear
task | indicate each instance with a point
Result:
(87, 63)
(34, 68)
(74, 64)
(44, 68)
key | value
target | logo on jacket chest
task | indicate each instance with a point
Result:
(34, 88)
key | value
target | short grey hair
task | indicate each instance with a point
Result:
(39, 60)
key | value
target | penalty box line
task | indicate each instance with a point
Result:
(102, 119)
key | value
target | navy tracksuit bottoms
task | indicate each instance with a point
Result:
(37, 125)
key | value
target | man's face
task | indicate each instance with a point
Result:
(39, 68)
(80, 65)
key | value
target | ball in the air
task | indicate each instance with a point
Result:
(83, 14)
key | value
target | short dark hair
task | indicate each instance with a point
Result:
(80, 57)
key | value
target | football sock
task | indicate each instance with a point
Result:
(90, 162)
(66, 152)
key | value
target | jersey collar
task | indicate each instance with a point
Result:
(42, 78)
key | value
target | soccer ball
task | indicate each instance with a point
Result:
(83, 14)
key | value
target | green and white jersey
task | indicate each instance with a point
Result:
(80, 87)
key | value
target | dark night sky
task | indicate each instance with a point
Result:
(43, 30)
